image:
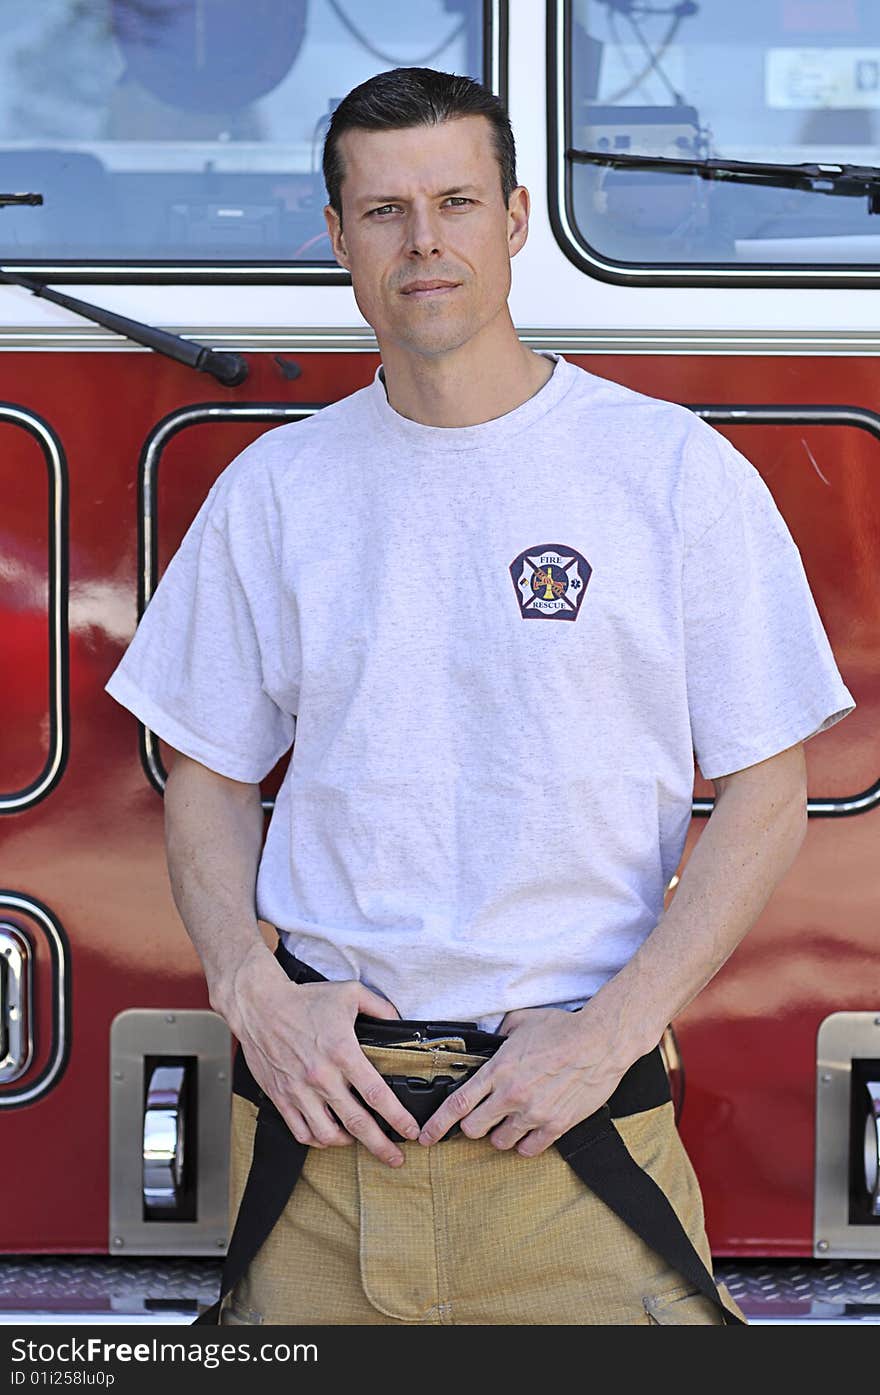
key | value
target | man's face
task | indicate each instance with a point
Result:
(425, 231)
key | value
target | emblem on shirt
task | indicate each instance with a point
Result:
(550, 581)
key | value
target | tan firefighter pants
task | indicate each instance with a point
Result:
(464, 1233)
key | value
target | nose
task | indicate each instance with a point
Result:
(423, 234)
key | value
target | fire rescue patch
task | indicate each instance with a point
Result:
(550, 581)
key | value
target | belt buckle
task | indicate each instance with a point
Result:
(422, 1098)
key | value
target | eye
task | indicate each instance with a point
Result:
(385, 208)
(456, 199)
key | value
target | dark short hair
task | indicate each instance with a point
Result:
(405, 97)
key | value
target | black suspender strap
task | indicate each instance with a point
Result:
(599, 1157)
(277, 1162)
(593, 1149)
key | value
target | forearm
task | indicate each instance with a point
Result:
(746, 848)
(299, 1042)
(213, 840)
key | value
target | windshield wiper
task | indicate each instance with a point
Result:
(228, 369)
(850, 181)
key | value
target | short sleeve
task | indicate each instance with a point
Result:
(761, 675)
(194, 671)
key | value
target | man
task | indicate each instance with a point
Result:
(501, 602)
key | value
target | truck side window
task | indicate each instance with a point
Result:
(188, 134)
(782, 81)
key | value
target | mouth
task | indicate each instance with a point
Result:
(429, 290)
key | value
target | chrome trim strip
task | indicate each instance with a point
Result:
(148, 539)
(88, 338)
(855, 343)
(494, 55)
(91, 1312)
(122, 273)
(315, 339)
(827, 808)
(660, 274)
(57, 572)
(49, 1076)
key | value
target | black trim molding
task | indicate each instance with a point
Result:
(199, 414)
(58, 630)
(735, 414)
(52, 931)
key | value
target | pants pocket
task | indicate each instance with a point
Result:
(235, 1314)
(682, 1307)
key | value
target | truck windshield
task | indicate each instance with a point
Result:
(787, 82)
(189, 132)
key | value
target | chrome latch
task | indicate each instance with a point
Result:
(16, 998)
(872, 1146)
(165, 1131)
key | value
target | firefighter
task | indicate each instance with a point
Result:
(500, 603)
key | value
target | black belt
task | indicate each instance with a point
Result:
(593, 1149)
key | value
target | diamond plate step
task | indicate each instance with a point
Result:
(104, 1288)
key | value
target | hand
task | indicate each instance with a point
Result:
(551, 1072)
(300, 1045)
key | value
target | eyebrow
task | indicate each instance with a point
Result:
(398, 198)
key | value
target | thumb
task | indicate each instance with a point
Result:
(373, 1005)
(510, 1022)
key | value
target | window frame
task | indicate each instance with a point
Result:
(207, 271)
(629, 273)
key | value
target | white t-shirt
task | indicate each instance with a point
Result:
(499, 648)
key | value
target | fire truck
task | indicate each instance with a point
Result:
(705, 228)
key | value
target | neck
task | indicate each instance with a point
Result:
(491, 374)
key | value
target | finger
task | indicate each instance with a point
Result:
(292, 1116)
(457, 1106)
(336, 1119)
(377, 1093)
(509, 1132)
(494, 1112)
(345, 1139)
(538, 1141)
(373, 1005)
(326, 1131)
(509, 1021)
(362, 1127)
(298, 1126)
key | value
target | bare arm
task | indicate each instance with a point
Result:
(298, 1040)
(749, 843)
(557, 1067)
(213, 838)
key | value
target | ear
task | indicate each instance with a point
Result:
(337, 238)
(518, 210)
